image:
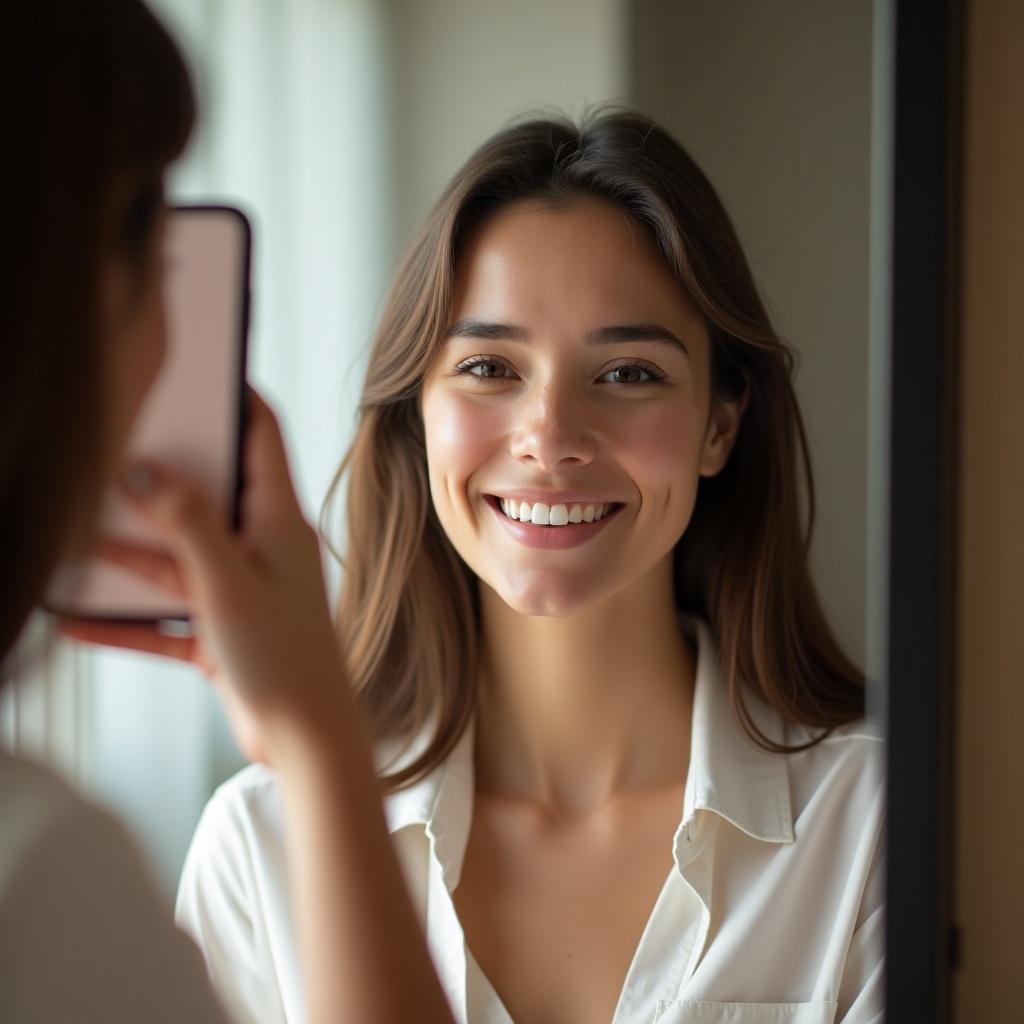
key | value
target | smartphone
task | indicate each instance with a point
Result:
(192, 421)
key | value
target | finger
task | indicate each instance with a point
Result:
(270, 497)
(142, 637)
(194, 531)
(154, 566)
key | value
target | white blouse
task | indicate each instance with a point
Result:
(772, 912)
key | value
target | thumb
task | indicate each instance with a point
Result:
(191, 528)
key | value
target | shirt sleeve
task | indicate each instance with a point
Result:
(86, 936)
(218, 906)
(862, 989)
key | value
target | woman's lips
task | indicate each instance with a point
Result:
(552, 537)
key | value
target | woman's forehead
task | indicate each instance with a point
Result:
(587, 262)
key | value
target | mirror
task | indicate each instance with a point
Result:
(337, 125)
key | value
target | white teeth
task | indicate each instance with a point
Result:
(542, 514)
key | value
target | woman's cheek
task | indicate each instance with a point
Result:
(664, 457)
(462, 435)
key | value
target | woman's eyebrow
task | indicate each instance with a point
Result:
(471, 327)
(635, 332)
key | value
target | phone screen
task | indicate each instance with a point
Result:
(192, 420)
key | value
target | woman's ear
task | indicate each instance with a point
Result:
(722, 430)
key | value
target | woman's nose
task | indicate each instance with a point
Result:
(552, 428)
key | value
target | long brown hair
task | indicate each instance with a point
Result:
(99, 99)
(409, 610)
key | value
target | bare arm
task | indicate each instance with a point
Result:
(356, 919)
(264, 636)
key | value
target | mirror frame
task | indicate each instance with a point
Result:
(925, 149)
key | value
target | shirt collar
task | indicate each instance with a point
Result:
(728, 774)
(442, 800)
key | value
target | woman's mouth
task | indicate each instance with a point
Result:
(557, 525)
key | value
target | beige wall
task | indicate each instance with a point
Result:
(773, 100)
(989, 828)
(463, 68)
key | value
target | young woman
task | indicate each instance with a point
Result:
(99, 105)
(627, 769)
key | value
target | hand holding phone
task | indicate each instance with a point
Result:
(264, 633)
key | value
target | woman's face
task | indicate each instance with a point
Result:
(574, 377)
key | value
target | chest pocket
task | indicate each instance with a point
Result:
(691, 1011)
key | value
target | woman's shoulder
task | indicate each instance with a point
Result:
(25, 783)
(55, 837)
(254, 785)
(865, 734)
(37, 806)
(26, 772)
(234, 864)
(847, 765)
(244, 811)
(858, 742)
(86, 932)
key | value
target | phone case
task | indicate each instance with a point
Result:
(192, 421)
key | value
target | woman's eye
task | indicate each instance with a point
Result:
(489, 368)
(632, 373)
(483, 369)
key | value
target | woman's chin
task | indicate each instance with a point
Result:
(554, 597)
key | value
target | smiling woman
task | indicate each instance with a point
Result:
(621, 747)
(652, 222)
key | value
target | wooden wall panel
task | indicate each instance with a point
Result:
(989, 886)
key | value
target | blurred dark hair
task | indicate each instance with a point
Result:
(97, 102)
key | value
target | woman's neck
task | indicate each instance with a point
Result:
(577, 710)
